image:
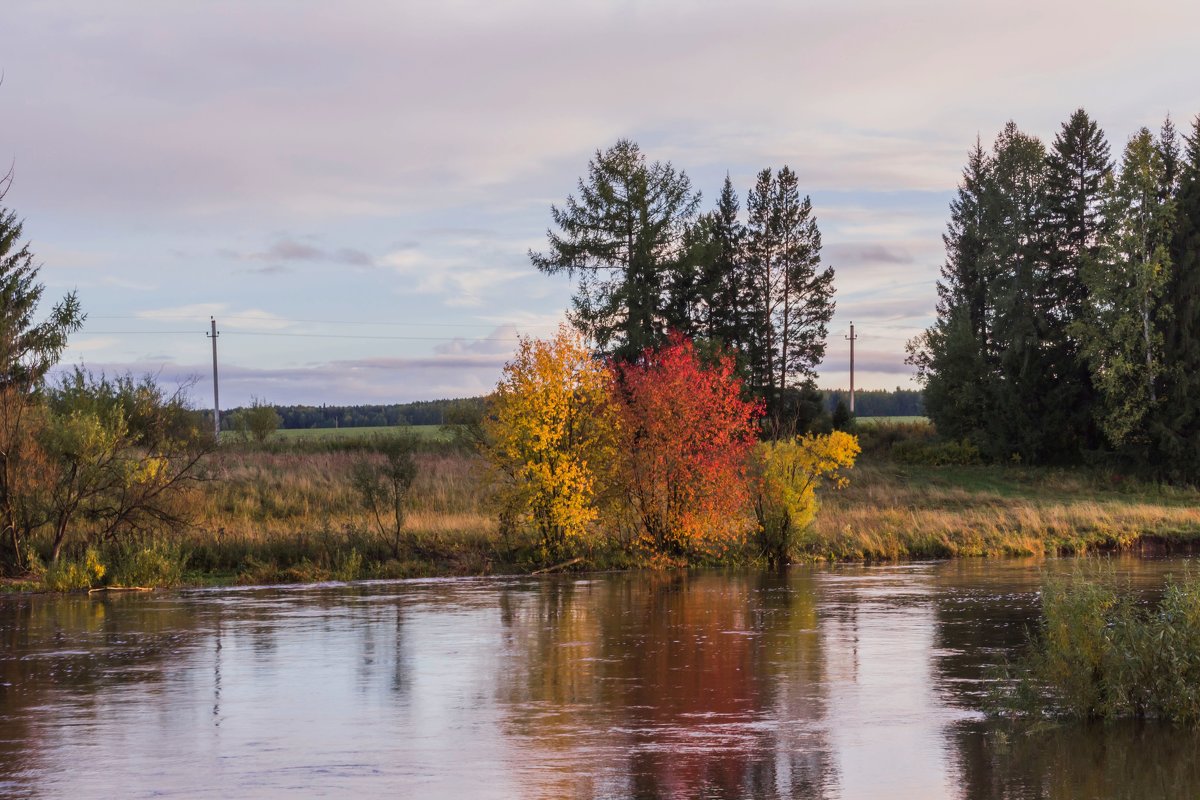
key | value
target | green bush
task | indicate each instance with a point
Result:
(1100, 654)
(159, 564)
(69, 575)
(936, 454)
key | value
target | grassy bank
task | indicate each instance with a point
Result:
(289, 512)
(894, 511)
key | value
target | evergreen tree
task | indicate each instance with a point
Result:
(762, 252)
(790, 297)
(732, 285)
(1078, 168)
(28, 349)
(806, 303)
(951, 357)
(1127, 296)
(1014, 211)
(1168, 150)
(1176, 427)
(622, 237)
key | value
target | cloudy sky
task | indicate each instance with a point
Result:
(351, 188)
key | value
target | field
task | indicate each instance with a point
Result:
(290, 511)
(425, 432)
(288, 514)
(889, 420)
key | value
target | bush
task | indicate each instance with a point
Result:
(69, 575)
(936, 454)
(1099, 654)
(787, 477)
(158, 564)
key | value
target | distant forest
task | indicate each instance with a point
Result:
(868, 403)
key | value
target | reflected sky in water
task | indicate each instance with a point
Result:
(824, 682)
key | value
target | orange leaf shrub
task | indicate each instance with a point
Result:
(685, 435)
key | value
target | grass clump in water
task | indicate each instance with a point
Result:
(1101, 654)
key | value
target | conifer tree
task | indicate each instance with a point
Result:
(731, 294)
(1078, 167)
(762, 250)
(806, 305)
(28, 349)
(1168, 150)
(1177, 426)
(621, 237)
(1127, 296)
(951, 357)
(1016, 259)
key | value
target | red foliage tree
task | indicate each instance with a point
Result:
(687, 433)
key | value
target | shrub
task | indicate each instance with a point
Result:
(159, 564)
(788, 475)
(549, 432)
(68, 575)
(685, 436)
(1099, 654)
(936, 454)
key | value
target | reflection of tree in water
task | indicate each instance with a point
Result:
(58, 650)
(1133, 761)
(669, 685)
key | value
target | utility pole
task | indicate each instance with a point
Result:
(216, 394)
(851, 337)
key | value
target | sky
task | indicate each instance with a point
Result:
(352, 189)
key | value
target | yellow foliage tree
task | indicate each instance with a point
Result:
(551, 430)
(788, 475)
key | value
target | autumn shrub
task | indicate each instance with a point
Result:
(550, 432)
(67, 574)
(787, 476)
(685, 433)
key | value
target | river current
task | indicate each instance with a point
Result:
(822, 682)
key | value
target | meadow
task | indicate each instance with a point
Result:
(287, 511)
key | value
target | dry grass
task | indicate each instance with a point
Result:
(294, 516)
(891, 512)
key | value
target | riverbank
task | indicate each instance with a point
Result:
(291, 514)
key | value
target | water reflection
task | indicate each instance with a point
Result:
(843, 682)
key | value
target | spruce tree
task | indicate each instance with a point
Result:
(28, 349)
(1177, 425)
(762, 253)
(806, 304)
(951, 357)
(732, 289)
(1168, 150)
(1078, 168)
(1015, 258)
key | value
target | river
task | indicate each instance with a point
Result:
(824, 682)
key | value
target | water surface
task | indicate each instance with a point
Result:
(836, 682)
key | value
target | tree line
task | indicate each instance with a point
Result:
(650, 265)
(421, 412)
(1068, 317)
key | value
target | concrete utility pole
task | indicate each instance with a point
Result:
(851, 337)
(216, 394)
